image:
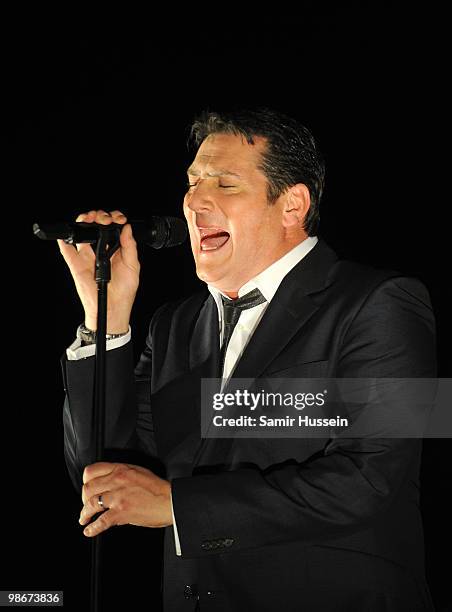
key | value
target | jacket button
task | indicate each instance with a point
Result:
(190, 590)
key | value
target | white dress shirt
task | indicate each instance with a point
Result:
(267, 282)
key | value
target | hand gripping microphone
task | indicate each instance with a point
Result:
(157, 232)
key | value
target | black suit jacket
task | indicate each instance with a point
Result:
(267, 524)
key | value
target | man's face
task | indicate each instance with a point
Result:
(234, 233)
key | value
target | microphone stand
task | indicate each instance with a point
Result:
(160, 232)
(106, 245)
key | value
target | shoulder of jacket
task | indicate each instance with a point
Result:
(360, 283)
(363, 276)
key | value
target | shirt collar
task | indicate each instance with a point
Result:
(269, 279)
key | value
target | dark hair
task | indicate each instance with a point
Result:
(291, 155)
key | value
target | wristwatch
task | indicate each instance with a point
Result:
(88, 336)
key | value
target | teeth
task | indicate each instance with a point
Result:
(206, 248)
(205, 232)
(214, 241)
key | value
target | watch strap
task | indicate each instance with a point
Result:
(88, 336)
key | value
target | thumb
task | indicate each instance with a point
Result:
(128, 246)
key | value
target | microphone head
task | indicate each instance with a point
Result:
(165, 232)
(177, 231)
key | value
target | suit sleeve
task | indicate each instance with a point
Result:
(341, 490)
(129, 435)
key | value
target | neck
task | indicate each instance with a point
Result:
(234, 293)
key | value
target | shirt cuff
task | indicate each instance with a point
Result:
(77, 351)
(176, 535)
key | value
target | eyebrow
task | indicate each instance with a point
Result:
(194, 172)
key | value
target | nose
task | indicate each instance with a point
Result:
(199, 198)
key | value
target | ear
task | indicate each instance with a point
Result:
(296, 205)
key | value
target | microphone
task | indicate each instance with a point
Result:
(157, 232)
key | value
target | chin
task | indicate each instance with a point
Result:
(210, 276)
(210, 271)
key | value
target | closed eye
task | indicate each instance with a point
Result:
(189, 185)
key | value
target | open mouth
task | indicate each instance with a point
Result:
(212, 238)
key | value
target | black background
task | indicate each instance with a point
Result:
(99, 106)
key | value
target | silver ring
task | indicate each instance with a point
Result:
(100, 502)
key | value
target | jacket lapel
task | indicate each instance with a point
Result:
(203, 362)
(204, 349)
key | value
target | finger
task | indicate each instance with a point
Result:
(120, 476)
(129, 251)
(118, 216)
(123, 475)
(92, 506)
(104, 522)
(94, 470)
(103, 217)
(98, 485)
(69, 251)
(87, 217)
(140, 468)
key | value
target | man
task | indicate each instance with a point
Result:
(255, 524)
